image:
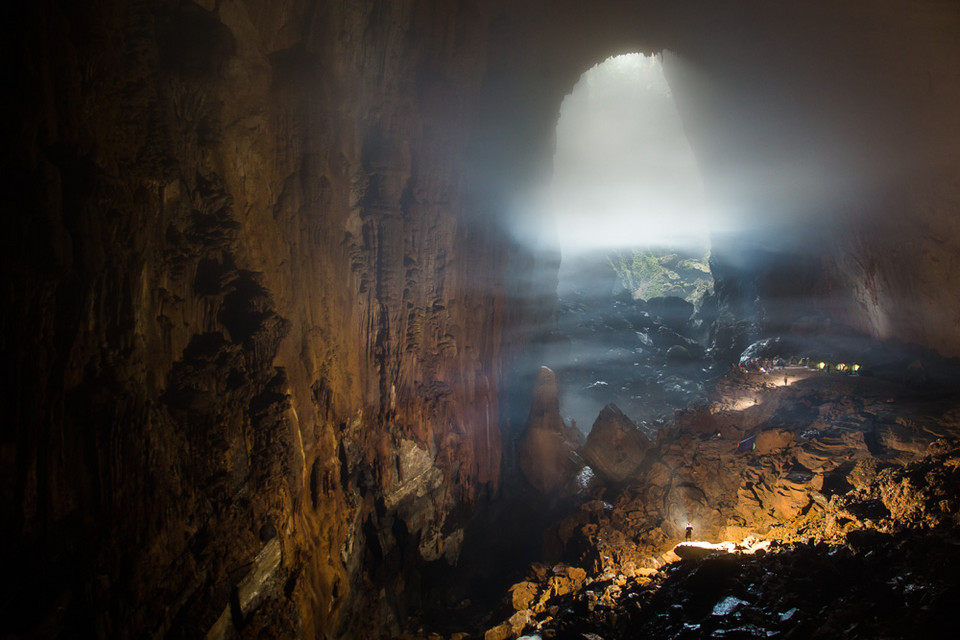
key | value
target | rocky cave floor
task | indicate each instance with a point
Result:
(646, 356)
(838, 497)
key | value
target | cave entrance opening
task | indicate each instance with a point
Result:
(634, 283)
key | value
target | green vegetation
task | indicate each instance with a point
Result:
(655, 272)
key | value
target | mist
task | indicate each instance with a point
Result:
(627, 200)
(624, 173)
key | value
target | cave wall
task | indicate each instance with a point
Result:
(247, 307)
(828, 138)
(269, 325)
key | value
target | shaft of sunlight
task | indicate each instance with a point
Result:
(624, 173)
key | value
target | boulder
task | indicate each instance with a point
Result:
(499, 632)
(523, 595)
(699, 550)
(565, 579)
(520, 620)
(615, 446)
(672, 311)
(678, 353)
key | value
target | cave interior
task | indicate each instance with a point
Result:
(293, 346)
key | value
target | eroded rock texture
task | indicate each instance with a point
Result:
(769, 460)
(816, 509)
(247, 316)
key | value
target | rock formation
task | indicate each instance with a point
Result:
(818, 489)
(864, 587)
(546, 455)
(617, 350)
(809, 444)
(615, 447)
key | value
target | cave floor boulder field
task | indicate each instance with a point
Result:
(822, 505)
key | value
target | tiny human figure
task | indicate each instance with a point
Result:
(784, 380)
(689, 531)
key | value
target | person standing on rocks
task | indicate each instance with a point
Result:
(689, 531)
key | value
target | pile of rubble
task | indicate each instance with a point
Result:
(874, 586)
(846, 500)
(877, 561)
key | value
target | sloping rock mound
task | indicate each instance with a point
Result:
(836, 574)
(615, 447)
(842, 535)
(782, 465)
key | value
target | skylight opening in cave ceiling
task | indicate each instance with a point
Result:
(624, 174)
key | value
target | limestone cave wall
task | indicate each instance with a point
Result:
(269, 328)
(251, 336)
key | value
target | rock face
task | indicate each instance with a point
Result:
(268, 290)
(247, 299)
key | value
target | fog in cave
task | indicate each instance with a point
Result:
(431, 320)
(633, 226)
(623, 173)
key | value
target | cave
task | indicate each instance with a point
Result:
(283, 319)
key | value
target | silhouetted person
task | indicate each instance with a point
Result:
(689, 531)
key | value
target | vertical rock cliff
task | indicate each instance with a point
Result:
(251, 336)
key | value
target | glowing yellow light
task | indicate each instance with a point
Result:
(821, 365)
(855, 367)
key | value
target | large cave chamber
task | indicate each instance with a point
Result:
(711, 412)
(461, 320)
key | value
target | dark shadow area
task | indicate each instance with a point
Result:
(879, 585)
